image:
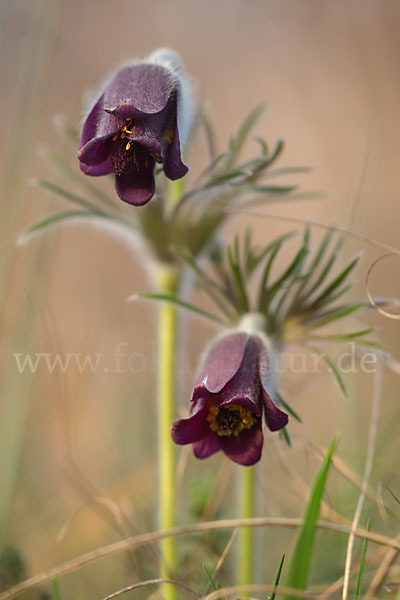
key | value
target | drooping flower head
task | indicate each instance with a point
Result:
(232, 396)
(140, 119)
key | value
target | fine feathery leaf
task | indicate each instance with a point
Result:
(321, 276)
(80, 178)
(238, 279)
(284, 435)
(210, 134)
(59, 191)
(322, 319)
(273, 190)
(336, 282)
(272, 595)
(362, 564)
(52, 220)
(300, 560)
(243, 133)
(181, 304)
(293, 269)
(214, 586)
(216, 292)
(335, 372)
(287, 407)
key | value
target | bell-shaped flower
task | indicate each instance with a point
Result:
(140, 118)
(233, 394)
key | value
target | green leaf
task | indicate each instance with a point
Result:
(335, 372)
(211, 287)
(300, 560)
(182, 304)
(362, 564)
(322, 319)
(326, 269)
(277, 578)
(214, 586)
(288, 171)
(298, 298)
(287, 407)
(336, 282)
(80, 178)
(291, 270)
(55, 592)
(238, 279)
(283, 434)
(273, 190)
(47, 185)
(210, 134)
(246, 127)
(53, 220)
(274, 249)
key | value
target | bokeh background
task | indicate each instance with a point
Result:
(78, 450)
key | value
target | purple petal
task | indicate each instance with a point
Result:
(104, 168)
(90, 126)
(274, 416)
(222, 361)
(96, 151)
(192, 429)
(245, 448)
(265, 365)
(173, 165)
(244, 387)
(139, 90)
(137, 187)
(208, 445)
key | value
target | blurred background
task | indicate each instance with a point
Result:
(78, 449)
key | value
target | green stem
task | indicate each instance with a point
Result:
(246, 534)
(168, 283)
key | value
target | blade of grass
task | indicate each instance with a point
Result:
(277, 578)
(300, 560)
(362, 564)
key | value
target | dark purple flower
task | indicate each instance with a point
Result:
(135, 124)
(231, 396)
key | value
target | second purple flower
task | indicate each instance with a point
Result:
(231, 397)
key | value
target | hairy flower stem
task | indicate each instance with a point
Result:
(245, 557)
(168, 283)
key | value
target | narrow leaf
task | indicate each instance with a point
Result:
(182, 304)
(284, 435)
(247, 126)
(336, 282)
(214, 586)
(335, 372)
(54, 589)
(274, 190)
(238, 279)
(289, 409)
(59, 191)
(333, 315)
(362, 564)
(53, 220)
(300, 560)
(277, 578)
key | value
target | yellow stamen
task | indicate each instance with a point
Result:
(123, 135)
(224, 424)
(128, 146)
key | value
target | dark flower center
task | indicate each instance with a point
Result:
(128, 156)
(230, 420)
